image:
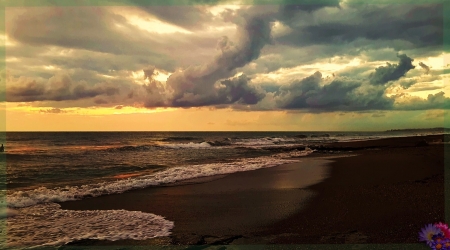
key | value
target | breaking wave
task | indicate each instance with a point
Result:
(187, 145)
(43, 195)
(49, 225)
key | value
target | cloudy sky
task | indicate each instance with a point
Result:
(225, 65)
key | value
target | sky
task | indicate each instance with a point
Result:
(135, 65)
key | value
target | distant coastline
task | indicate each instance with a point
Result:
(419, 129)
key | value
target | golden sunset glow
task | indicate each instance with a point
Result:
(6, 41)
(92, 111)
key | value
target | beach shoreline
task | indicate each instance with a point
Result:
(382, 194)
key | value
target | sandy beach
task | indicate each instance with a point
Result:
(379, 191)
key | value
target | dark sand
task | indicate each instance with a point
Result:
(384, 194)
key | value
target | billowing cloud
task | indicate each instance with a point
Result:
(315, 93)
(89, 56)
(392, 72)
(436, 101)
(237, 90)
(196, 85)
(419, 25)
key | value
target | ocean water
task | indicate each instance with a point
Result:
(40, 169)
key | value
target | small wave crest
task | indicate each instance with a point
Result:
(43, 195)
(187, 145)
(193, 145)
(49, 225)
(264, 142)
(180, 138)
(131, 148)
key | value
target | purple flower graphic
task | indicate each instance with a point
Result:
(436, 236)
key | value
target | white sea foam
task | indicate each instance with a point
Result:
(47, 225)
(262, 142)
(187, 145)
(296, 153)
(43, 195)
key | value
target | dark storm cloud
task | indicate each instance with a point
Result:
(295, 94)
(318, 94)
(100, 101)
(421, 25)
(284, 56)
(342, 93)
(290, 9)
(196, 85)
(425, 67)
(392, 72)
(407, 84)
(231, 91)
(237, 90)
(57, 88)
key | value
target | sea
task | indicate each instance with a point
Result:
(39, 170)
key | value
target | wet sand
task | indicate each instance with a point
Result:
(384, 194)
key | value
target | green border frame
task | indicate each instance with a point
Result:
(36, 3)
(446, 60)
(3, 202)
